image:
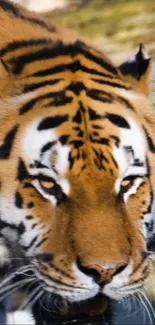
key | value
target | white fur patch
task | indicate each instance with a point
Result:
(148, 219)
(55, 159)
(134, 138)
(34, 140)
(131, 94)
(61, 161)
(20, 317)
(8, 212)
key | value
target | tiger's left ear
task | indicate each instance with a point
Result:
(137, 69)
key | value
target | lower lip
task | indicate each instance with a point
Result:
(86, 312)
(89, 308)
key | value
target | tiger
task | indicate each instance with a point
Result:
(77, 169)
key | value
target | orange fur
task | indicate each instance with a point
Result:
(93, 224)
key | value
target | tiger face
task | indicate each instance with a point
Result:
(76, 161)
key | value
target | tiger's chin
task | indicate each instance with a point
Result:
(59, 310)
(91, 311)
(94, 310)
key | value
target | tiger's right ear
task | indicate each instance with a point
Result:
(137, 69)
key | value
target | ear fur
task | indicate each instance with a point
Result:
(137, 69)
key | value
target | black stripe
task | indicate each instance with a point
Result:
(29, 106)
(6, 147)
(116, 139)
(73, 67)
(57, 281)
(30, 205)
(100, 156)
(31, 243)
(34, 86)
(41, 54)
(61, 50)
(19, 228)
(149, 141)
(47, 146)
(77, 117)
(18, 200)
(125, 102)
(93, 115)
(52, 122)
(64, 139)
(60, 99)
(56, 268)
(99, 95)
(28, 185)
(111, 83)
(97, 127)
(76, 87)
(29, 217)
(117, 120)
(56, 69)
(45, 257)
(9, 7)
(15, 45)
(100, 61)
(22, 60)
(103, 141)
(92, 71)
(113, 160)
(77, 143)
(41, 242)
(138, 163)
(22, 173)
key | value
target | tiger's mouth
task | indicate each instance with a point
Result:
(91, 311)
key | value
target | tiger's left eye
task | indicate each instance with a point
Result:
(47, 186)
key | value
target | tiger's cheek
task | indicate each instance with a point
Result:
(139, 205)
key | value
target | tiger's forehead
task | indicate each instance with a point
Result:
(117, 140)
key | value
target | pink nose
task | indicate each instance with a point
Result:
(102, 274)
(105, 273)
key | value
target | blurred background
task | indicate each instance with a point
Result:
(113, 26)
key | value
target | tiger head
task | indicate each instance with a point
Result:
(76, 161)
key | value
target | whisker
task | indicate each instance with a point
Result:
(142, 304)
(36, 298)
(142, 297)
(29, 298)
(9, 278)
(12, 288)
(42, 305)
(13, 285)
(18, 271)
(149, 304)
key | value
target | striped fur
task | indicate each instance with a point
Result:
(77, 161)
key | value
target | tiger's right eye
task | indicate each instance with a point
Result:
(126, 184)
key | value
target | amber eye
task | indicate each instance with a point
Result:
(47, 186)
(126, 184)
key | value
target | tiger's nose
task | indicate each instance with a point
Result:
(102, 274)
